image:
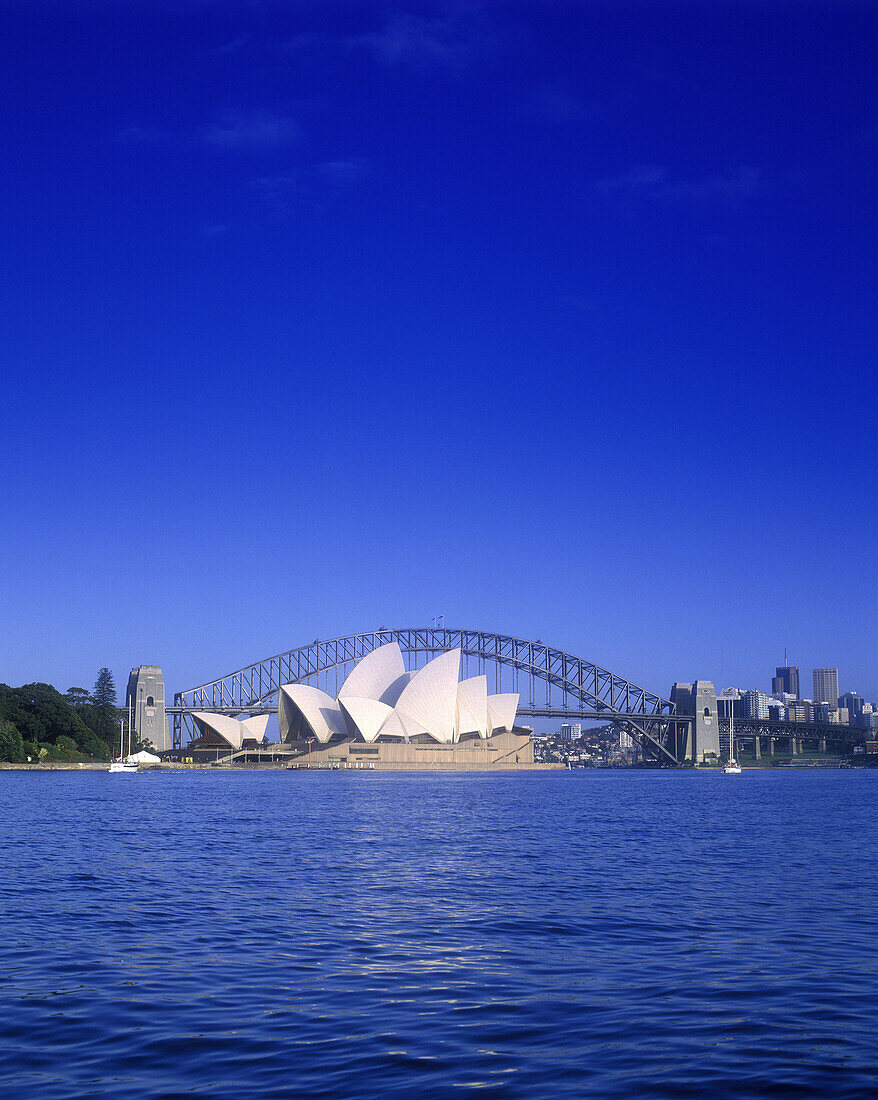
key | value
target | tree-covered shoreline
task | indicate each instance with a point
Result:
(38, 724)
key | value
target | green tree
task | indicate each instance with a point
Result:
(104, 693)
(78, 697)
(67, 745)
(11, 747)
(103, 710)
(100, 750)
(93, 718)
(41, 713)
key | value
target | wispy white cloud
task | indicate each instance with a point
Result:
(453, 40)
(343, 172)
(251, 130)
(578, 303)
(309, 45)
(311, 184)
(278, 182)
(139, 135)
(234, 46)
(552, 103)
(654, 182)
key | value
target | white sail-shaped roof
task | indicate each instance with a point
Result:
(391, 696)
(415, 728)
(501, 711)
(427, 703)
(226, 728)
(380, 699)
(375, 675)
(321, 713)
(255, 727)
(367, 715)
(393, 727)
(472, 707)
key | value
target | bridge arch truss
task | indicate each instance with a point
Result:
(550, 682)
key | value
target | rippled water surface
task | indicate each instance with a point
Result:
(329, 934)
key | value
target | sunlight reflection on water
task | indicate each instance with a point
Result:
(661, 934)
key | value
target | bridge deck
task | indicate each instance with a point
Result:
(573, 689)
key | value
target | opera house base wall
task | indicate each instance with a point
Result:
(502, 752)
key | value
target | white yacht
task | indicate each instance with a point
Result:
(733, 767)
(123, 764)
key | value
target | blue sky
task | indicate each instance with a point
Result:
(558, 319)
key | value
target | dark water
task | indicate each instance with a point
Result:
(281, 934)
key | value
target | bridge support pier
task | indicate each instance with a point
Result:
(794, 746)
(771, 746)
(822, 744)
(758, 747)
(701, 741)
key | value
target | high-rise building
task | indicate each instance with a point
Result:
(570, 731)
(826, 712)
(826, 685)
(786, 680)
(853, 702)
(756, 704)
(730, 703)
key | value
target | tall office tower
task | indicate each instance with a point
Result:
(853, 702)
(826, 685)
(146, 698)
(571, 731)
(786, 680)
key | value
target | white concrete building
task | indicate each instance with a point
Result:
(756, 704)
(224, 732)
(380, 700)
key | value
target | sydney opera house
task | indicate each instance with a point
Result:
(384, 717)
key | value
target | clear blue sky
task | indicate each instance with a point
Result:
(558, 319)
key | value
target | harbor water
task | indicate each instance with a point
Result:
(616, 934)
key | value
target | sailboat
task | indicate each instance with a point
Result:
(122, 765)
(733, 767)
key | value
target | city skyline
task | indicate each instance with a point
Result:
(323, 317)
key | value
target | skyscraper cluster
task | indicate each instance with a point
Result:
(785, 703)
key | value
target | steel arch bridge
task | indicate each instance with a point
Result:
(551, 683)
